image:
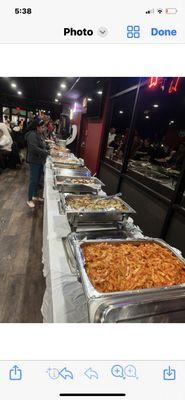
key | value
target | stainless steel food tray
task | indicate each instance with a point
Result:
(59, 154)
(66, 186)
(60, 162)
(164, 304)
(78, 172)
(127, 209)
(89, 216)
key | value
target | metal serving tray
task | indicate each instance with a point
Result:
(89, 216)
(57, 161)
(164, 304)
(77, 172)
(65, 184)
(61, 156)
(58, 154)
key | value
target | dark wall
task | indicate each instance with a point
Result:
(151, 210)
(176, 232)
(109, 178)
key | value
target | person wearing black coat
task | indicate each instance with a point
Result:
(36, 157)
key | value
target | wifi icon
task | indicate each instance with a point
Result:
(160, 10)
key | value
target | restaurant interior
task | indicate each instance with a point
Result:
(129, 135)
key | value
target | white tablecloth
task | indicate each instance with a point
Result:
(64, 300)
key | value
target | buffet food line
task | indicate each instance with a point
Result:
(98, 265)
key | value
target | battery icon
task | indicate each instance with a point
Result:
(171, 10)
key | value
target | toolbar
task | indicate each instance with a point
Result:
(93, 379)
(93, 22)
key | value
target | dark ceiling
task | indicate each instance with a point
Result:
(45, 89)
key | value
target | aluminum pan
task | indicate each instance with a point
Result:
(147, 294)
(80, 172)
(82, 237)
(91, 212)
(170, 310)
(78, 189)
(95, 181)
(60, 162)
(69, 187)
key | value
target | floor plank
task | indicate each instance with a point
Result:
(21, 280)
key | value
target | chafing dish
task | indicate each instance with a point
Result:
(164, 304)
(86, 216)
(77, 184)
(58, 155)
(59, 149)
(67, 161)
(72, 172)
(149, 170)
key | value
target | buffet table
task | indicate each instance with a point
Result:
(64, 299)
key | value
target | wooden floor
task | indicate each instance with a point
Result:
(21, 280)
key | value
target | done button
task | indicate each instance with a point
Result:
(163, 32)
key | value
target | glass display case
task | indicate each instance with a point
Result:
(148, 165)
(117, 134)
(158, 148)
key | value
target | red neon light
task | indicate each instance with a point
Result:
(174, 85)
(153, 82)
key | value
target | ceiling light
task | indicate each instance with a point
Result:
(63, 85)
(13, 85)
(100, 92)
(89, 99)
(156, 105)
(59, 94)
(19, 92)
(147, 116)
(56, 100)
(120, 111)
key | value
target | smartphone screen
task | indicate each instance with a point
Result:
(92, 199)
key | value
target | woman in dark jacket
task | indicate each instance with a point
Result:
(36, 157)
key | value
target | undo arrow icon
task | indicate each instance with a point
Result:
(65, 373)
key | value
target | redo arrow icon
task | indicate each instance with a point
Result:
(90, 374)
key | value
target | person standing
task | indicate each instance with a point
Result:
(111, 136)
(6, 139)
(36, 157)
(5, 147)
(7, 123)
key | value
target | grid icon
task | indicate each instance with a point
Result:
(133, 31)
